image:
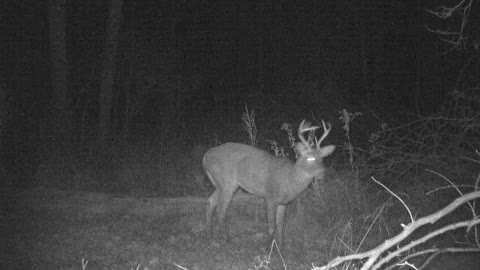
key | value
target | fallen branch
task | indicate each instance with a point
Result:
(373, 255)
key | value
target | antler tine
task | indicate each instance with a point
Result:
(304, 127)
(325, 133)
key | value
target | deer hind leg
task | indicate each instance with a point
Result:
(212, 203)
(224, 198)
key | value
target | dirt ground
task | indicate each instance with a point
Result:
(51, 229)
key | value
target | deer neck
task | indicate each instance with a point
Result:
(300, 178)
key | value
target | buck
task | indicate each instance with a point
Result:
(277, 180)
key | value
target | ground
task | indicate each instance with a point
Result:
(52, 229)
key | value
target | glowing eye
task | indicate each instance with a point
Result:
(311, 159)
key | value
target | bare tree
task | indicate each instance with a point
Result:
(3, 120)
(59, 72)
(260, 13)
(109, 66)
(456, 36)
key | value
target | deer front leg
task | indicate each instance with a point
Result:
(280, 219)
(271, 212)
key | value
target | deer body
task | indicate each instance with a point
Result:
(277, 180)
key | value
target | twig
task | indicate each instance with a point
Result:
(370, 227)
(472, 206)
(448, 187)
(396, 196)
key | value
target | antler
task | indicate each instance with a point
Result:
(304, 127)
(325, 133)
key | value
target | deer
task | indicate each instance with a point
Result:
(277, 180)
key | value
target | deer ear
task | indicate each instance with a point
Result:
(327, 150)
(301, 148)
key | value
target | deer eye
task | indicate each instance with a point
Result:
(311, 159)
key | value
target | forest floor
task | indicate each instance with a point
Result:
(52, 229)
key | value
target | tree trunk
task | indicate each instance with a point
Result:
(260, 45)
(360, 21)
(59, 72)
(130, 85)
(3, 121)
(109, 65)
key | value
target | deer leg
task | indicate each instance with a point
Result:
(271, 209)
(280, 218)
(212, 203)
(225, 197)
